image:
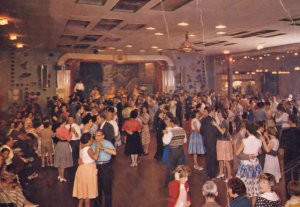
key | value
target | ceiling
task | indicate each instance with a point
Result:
(86, 25)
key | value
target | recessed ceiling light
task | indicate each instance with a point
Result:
(183, 24)
(13, 36)
(119, 50)
(3, 21)
(150, 28)
(245, 57)
(192, 35)
(236, 72)
(159, 49)
(129, 46)
(297, 68)
(19, 45)
(260, 47)
(111, 48)
(295, 53)
(220, 26)
(260, 58)
(142, 50)
(226, 52)
(277, 58)
(159, 33)
(154, 47)
(221, 33)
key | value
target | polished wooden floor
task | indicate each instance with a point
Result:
(132, 187)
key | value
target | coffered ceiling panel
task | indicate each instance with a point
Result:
(132, 26)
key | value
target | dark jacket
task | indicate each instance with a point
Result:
(210, 133)
(108, 131)
(240, 201)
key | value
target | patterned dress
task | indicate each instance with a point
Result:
(145, 118)
(268, 199)
(249, 170)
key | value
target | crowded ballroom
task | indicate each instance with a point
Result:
(149, 103)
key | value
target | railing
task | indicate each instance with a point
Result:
(293, 165)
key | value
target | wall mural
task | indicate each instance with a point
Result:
(126, 76)
(113, 75)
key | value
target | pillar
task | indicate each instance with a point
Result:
(228, 60)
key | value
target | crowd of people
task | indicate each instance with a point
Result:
(250, 143)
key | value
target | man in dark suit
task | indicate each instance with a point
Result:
(107, 128)
(179, 110)
(160, 126)
(289, 152)
(210, 136)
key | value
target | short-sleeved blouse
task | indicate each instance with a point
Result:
(132, 125)
(63, 133)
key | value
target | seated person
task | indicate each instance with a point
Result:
(10, 190)
(294, 191)
(237, 190)
(210, 192)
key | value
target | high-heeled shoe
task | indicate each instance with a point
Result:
(62, 180)
(220, 176)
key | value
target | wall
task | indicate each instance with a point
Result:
(289, 83)
(19, 72)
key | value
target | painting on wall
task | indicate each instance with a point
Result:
(107, 75)
(125, 75)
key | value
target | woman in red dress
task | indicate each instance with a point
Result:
(133, 146)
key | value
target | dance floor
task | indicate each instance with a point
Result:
(132, 187)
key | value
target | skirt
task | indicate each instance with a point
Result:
(196, 143)
(224, 150)
(249, 174)
(86, 182)
(272, 166)
(63, 155)
(133, 144)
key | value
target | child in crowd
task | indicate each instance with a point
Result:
(267, 198)
(179, 188)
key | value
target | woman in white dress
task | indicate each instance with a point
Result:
(271, 162)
